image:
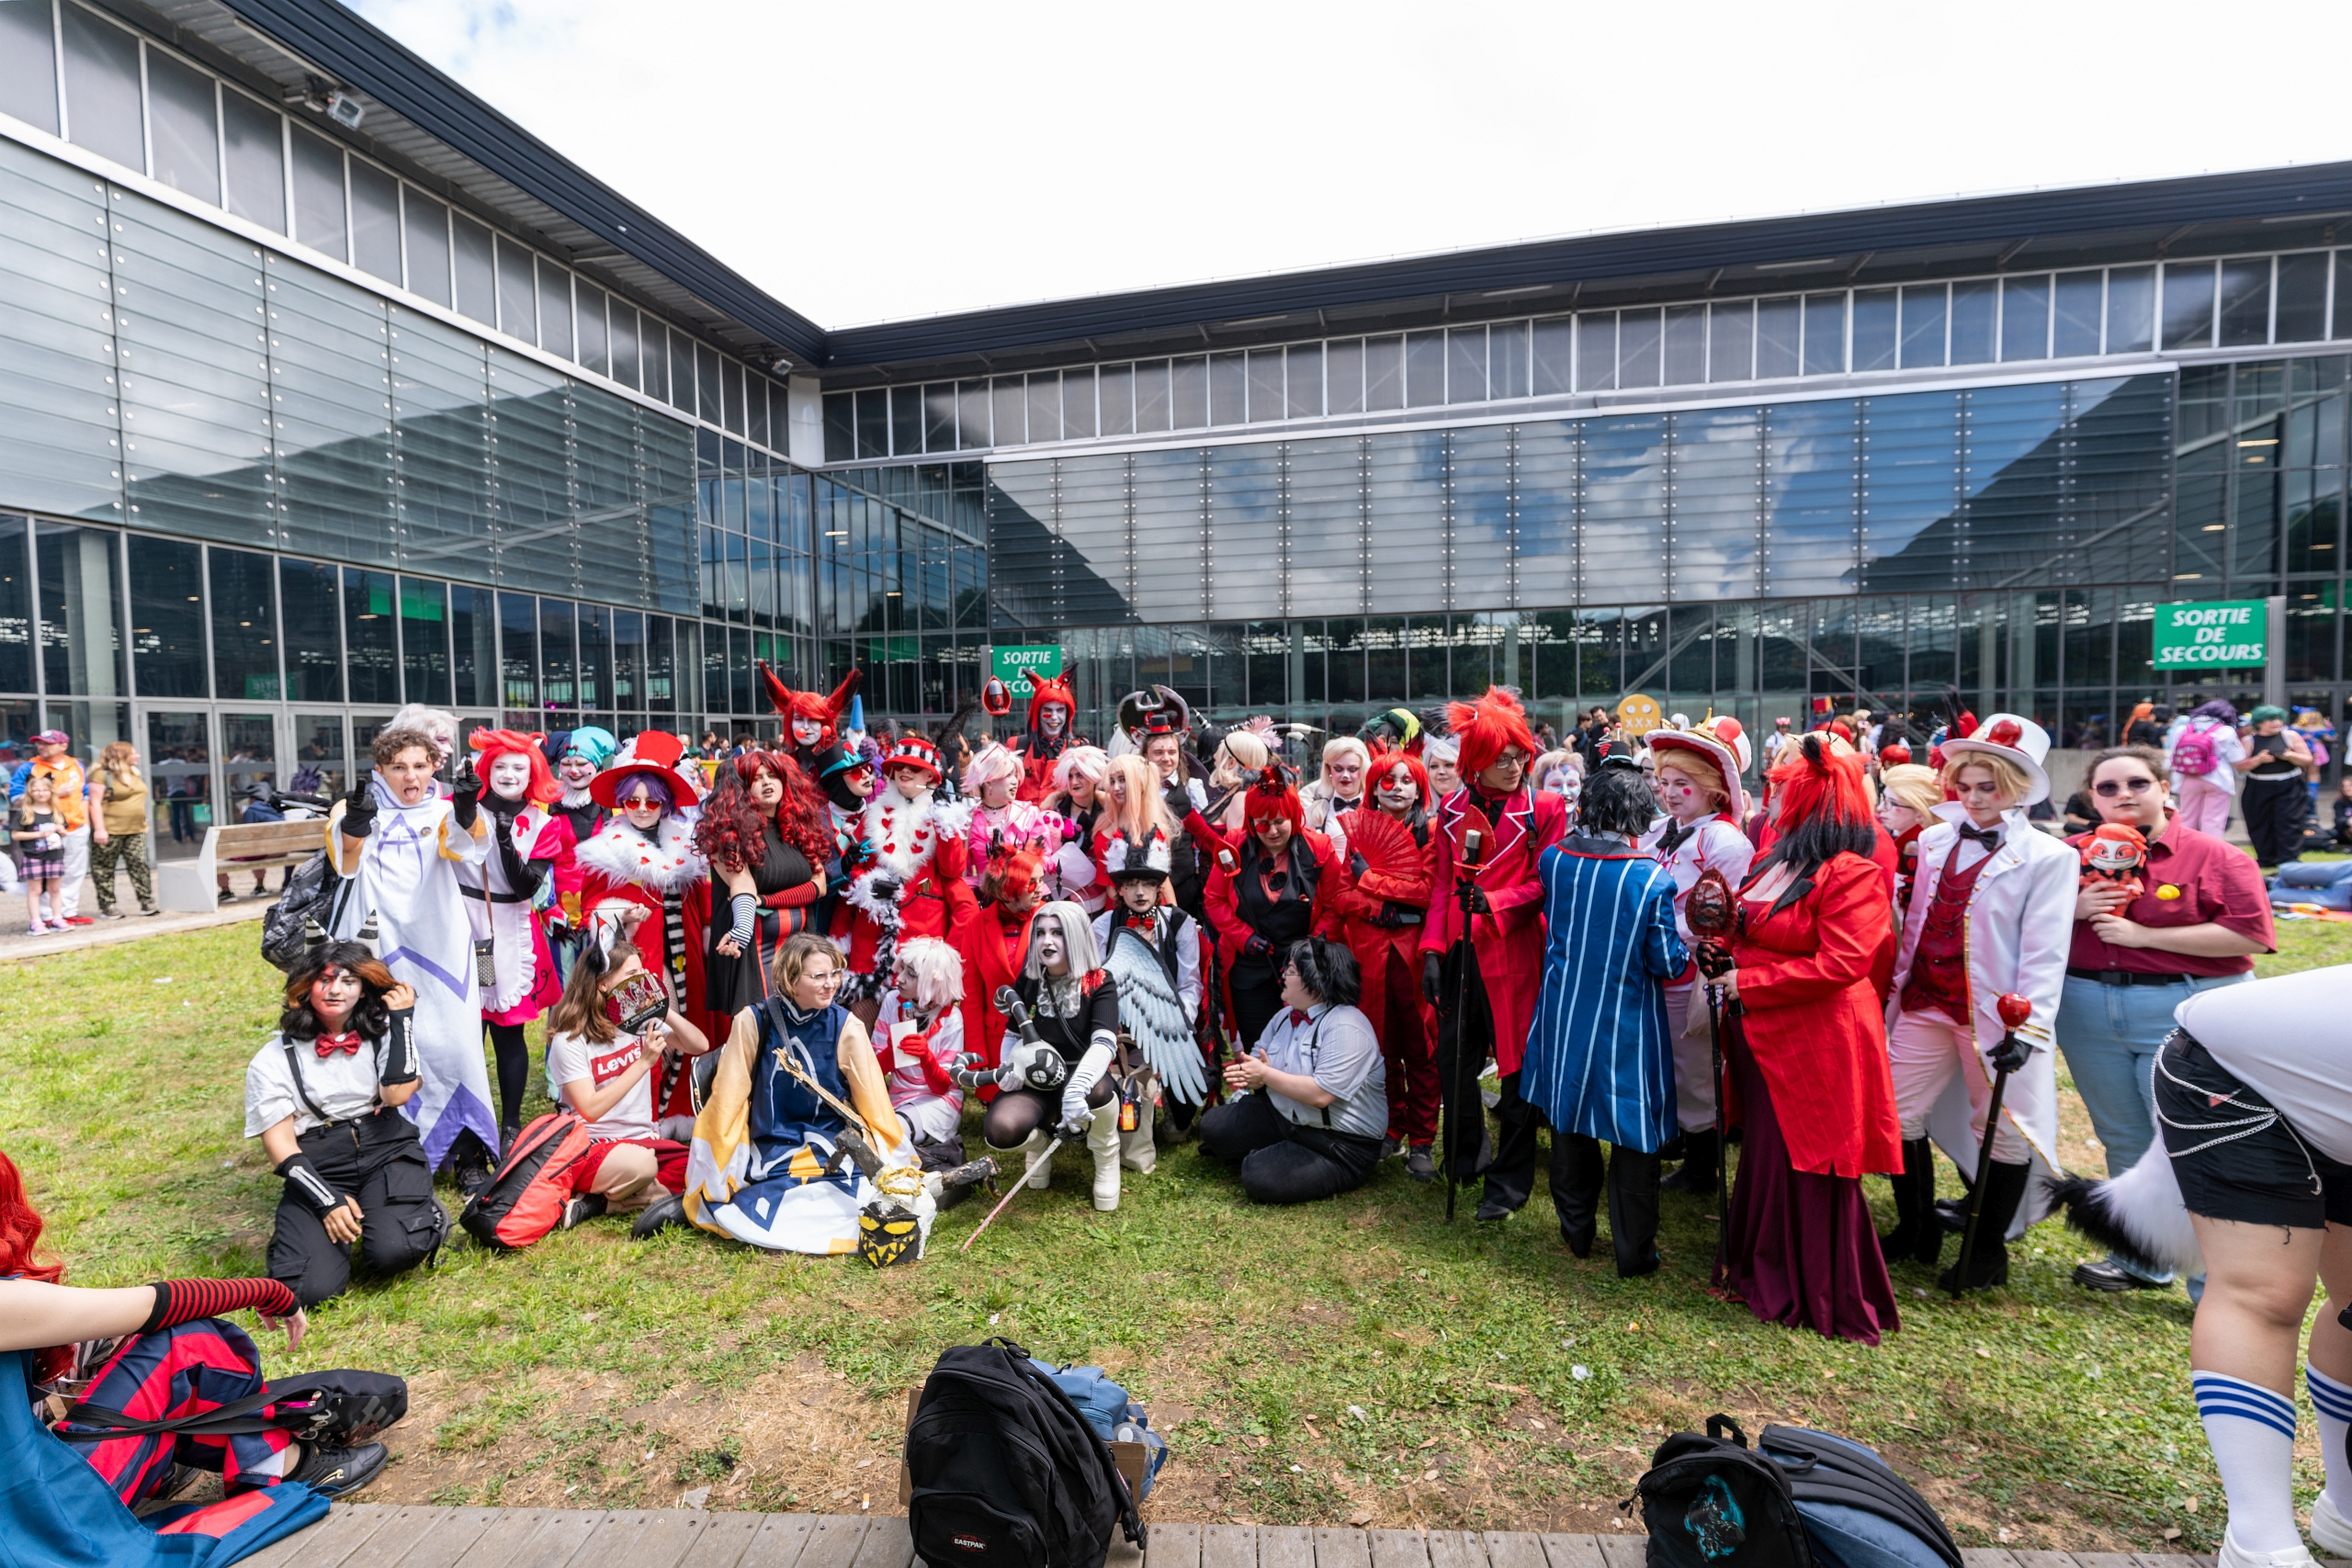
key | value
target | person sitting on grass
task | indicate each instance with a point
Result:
(605, 1036)
(326, 1096)
(921, 1039)
(142, 1349)
(1312, 1099)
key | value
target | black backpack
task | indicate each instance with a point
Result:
(1858, 1513)
(1005, 1471)
(1713, 1502)
(334, 1409)
(313, 891)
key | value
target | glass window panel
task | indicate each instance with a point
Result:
(871, 410)
(739, 670)
(1302, 382)
(1228, 389)
(710, 406)
(28, 63)
(1810, 500)
(320, 220)
(244, 626)
(1911, 496)
(80, 599)
(1776, 334)
(2245, 302)
(938, 418)
(102, 88)
(1553, 372)
(474, 634)
(971, 414)
(661, 665)
(1152, 408)
(1624, 511)
(1507, 376)
(1974, 312)
(1637, 348)
(1011, 404)
(1597, 351)
(595, 341)
(1923, 326)
(476, 275)
(2188, 305)
(555, 310)
(184, 125)
(713, 669)
(2025, 317)
(1326, 522)
(2012, 478)
(428, 223)
(559, 655)
(1686, 345)
(1874, 329)
(2074, 317)
(1730, 341)
(1167, 512)
(1383, 374)
(1264, 388)
(625, 684)
(681, 384)
(425, 640)
(2303, 297)
(257, 159)
(441, 430)
(1424, 369)
(1078, 405)
(2131, 308)
(168, 617)
(1825, 334)
(371, 660)
(1407, 499)
(1189, 392)
(374, 221)
(1716, 546)
(518, 653)
(1465, 349)
(519, 308)
(906, 420)
(15, 597)
(1547, 511)
(319, 749)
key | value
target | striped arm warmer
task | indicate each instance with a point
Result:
(185, 1301)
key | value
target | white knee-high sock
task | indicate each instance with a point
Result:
(2252, 1430)
(2332, 1399)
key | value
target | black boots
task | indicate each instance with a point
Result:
(1701, 1152)
(1919, 1231)
(2004, 1191)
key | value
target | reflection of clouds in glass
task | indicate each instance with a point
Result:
(1715, 496)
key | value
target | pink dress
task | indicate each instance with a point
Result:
(526, 982)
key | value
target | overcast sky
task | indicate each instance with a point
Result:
(869, 162)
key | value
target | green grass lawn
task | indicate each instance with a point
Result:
(1359, 1359)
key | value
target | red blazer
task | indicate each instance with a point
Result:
(1510, 941)
(1224, 903)
(1810, 982)
(992, 956)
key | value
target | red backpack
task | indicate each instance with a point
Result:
(526, 1199)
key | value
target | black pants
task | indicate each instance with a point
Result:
(1465, 1038)
(514, 1075)
(378, 1160)
(1255, 1002)
(1017, 1112)
(1576, 1176)
(1282, 1161)
(2274, 818)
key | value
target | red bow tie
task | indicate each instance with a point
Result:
(348, 1043)
(1143, 922)
(1296, 1018)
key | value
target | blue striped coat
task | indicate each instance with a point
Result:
(1601, 1058)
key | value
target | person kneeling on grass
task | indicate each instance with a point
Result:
(604, 1039)
(145, 1351)
(1313, 1096)
(325, 1097)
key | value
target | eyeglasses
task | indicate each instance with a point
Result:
(2109, 788)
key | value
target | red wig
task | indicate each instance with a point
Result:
(732, 830)
(1387, 763)
(1012, 874)
(1487, 727)
(19, 1236)
(1820, 782)
(1272, 796)
(493, 744)
(815, 706)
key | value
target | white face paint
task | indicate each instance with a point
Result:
(1397, 791)
(509, 775)
(1052, 718)
(575, 771)
(805, 731)
(1053, 954)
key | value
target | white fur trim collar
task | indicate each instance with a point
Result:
(667, 865)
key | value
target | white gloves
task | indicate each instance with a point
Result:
(1082, 1079)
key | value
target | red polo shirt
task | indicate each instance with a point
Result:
(2209, 880)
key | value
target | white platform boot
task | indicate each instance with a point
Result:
(1031, 1149)
(1103, 1142)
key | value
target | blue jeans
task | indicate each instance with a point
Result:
(2109, 1035)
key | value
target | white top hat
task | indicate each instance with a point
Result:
(1719, 739)
(2020, 739)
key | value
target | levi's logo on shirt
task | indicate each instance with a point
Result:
(602, 1070)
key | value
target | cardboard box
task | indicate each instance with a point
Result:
(1129, 1457)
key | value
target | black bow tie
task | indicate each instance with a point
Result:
(1989, 837)
(1672, 838)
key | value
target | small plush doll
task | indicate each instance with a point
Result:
(2113, 855)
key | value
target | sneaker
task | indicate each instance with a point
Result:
(1390, 1146)
(336, 1472)
(150, 910)
(2330, 1529)
(61, 925)
(1420, 1162)
(78, 920)
(586, 1207)
(2236, 1556)
(225, 897)
(37, 929)
(473, 1176)
(2108, 1275)
(112, 915)
(665, 1210)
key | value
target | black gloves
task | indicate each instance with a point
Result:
(400, 1050)
(2010, 1055)
(1433, 980)
(359, 809)
(1256, 947)
(887, 886)
(1713, 960)
(466, 805)
(302, 1179)
(1476, 899)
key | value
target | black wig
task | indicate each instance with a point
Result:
(372, 1018)
(1617, 799)
(1327, 969)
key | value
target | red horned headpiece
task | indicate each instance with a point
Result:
(1015, 872)
(1045, 690)
(814, 706)
(1486, 729)
(1385, 762)
(493, 744)
(1272, 796)
(1820, 779)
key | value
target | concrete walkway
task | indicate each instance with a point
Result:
(425, 1537)
(14, 943)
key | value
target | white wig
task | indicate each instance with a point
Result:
(1346, 745)
(937, 971)
(1078, 936)
(1440, 748)
(990, 762)
(437, 723)
(1090, 762)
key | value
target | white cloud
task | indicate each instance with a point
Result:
(875, 161)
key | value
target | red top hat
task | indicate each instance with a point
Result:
(912, 752)
(654, 752)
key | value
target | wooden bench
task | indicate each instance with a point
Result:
(190, 887)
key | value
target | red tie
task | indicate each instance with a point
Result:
(1296, 1019)
(1143, 922)
(347, 1043)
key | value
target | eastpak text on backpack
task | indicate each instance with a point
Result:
(525, 1200)
(1005, 1471)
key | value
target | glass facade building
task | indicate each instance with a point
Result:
(300, 421)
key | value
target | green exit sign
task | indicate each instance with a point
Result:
(2224, 634)
(1013, 666)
